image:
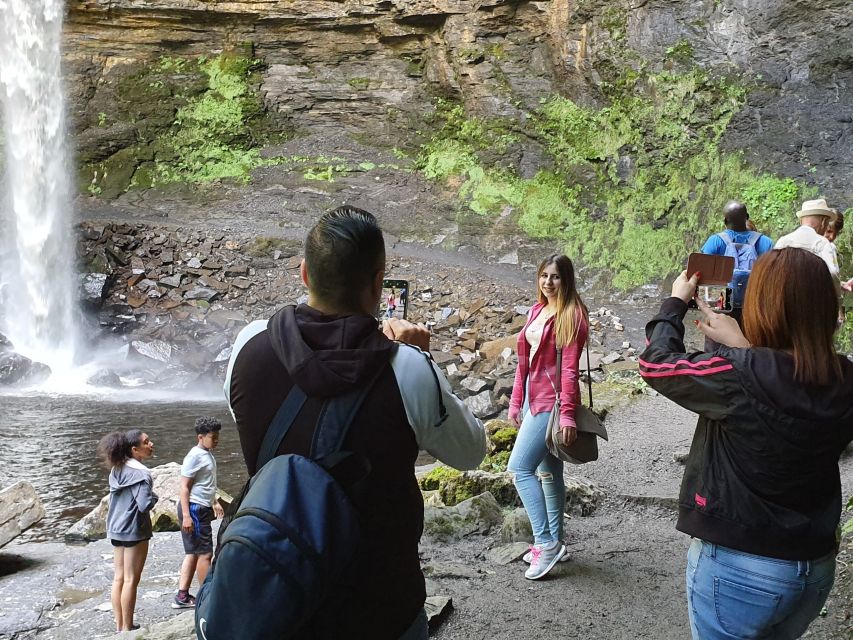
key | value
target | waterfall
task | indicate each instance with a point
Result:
(37, 280)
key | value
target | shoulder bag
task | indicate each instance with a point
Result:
(590, 428)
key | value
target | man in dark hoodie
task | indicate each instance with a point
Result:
(333, 345)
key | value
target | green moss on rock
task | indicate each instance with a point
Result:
(504, 439)
(194, 120)
(436, 478)
(455, 487)
(496, 462)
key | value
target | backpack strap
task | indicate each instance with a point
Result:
(336, 416)
(726, 238)
(280, 425)
(754, 237)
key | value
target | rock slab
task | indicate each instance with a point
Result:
(20, 508)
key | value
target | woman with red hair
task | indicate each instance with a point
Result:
(761, 494)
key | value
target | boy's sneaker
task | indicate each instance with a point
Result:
(527, 557)
(543, 558)
(187, 602)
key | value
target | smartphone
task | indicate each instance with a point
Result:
(718, 297)
(716, 272)
(394, 302)
(714, 269)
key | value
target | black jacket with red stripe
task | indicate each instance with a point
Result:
(762, 475)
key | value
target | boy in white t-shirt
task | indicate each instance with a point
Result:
(197, 508)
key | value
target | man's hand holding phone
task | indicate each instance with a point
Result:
(416, 335)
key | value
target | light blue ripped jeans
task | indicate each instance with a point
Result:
(544, 501)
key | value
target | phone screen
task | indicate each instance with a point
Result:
(718, 297)
(394, 302)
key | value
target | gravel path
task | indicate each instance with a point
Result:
(626, 576)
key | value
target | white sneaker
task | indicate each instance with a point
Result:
(527, 557)
(543, 558)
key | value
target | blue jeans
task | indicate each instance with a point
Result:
(419, 629)
(545, 501)
(732, 594)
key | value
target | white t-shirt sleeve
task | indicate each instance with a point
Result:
(192, 463)
(459, 438)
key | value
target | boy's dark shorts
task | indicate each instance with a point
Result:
(200, 541)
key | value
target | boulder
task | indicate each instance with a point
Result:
(16, 369)
(495, 425)
(582, 495)
(5, 344)
(117, 318)
(477, 515)
(506, 553)
(502, 440)
(474, 385)
(455, 486)
(157, 350)
(201, 293)
(20, 508)
(493, 348)
(482, 405)
(172, 282)
(437, 609)
(516, 527)
(105, 378)
(93, 289)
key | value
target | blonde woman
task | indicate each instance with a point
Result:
(559, 320)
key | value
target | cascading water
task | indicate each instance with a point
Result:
(37, 280)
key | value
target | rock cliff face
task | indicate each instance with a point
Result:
(374, 66)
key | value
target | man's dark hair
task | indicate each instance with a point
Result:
(206, 424)
(343, 253)
(735, 215)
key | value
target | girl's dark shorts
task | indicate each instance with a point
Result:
(126, 543)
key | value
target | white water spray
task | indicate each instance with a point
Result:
(37, 280)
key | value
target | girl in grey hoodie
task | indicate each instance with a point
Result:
(128, 521)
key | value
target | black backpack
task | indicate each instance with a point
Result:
(293, 533)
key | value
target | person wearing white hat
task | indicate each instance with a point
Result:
(814, 217)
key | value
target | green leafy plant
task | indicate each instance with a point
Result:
(326, 174)
(635, 184)
(681, 51)
(359, 84)
(211, 138)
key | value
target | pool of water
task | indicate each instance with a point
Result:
(50, 441)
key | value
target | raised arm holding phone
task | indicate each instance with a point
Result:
(761, 492)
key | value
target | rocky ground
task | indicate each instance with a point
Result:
(625, 579)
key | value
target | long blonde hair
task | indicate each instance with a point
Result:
(570, 308)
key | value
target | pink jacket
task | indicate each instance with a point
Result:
(542, 394)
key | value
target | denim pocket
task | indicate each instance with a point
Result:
(744, 611)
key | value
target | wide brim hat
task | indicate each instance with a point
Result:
(814, 208)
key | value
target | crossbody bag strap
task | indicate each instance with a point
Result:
(280, 425)
(559, 387)
(588, 375)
